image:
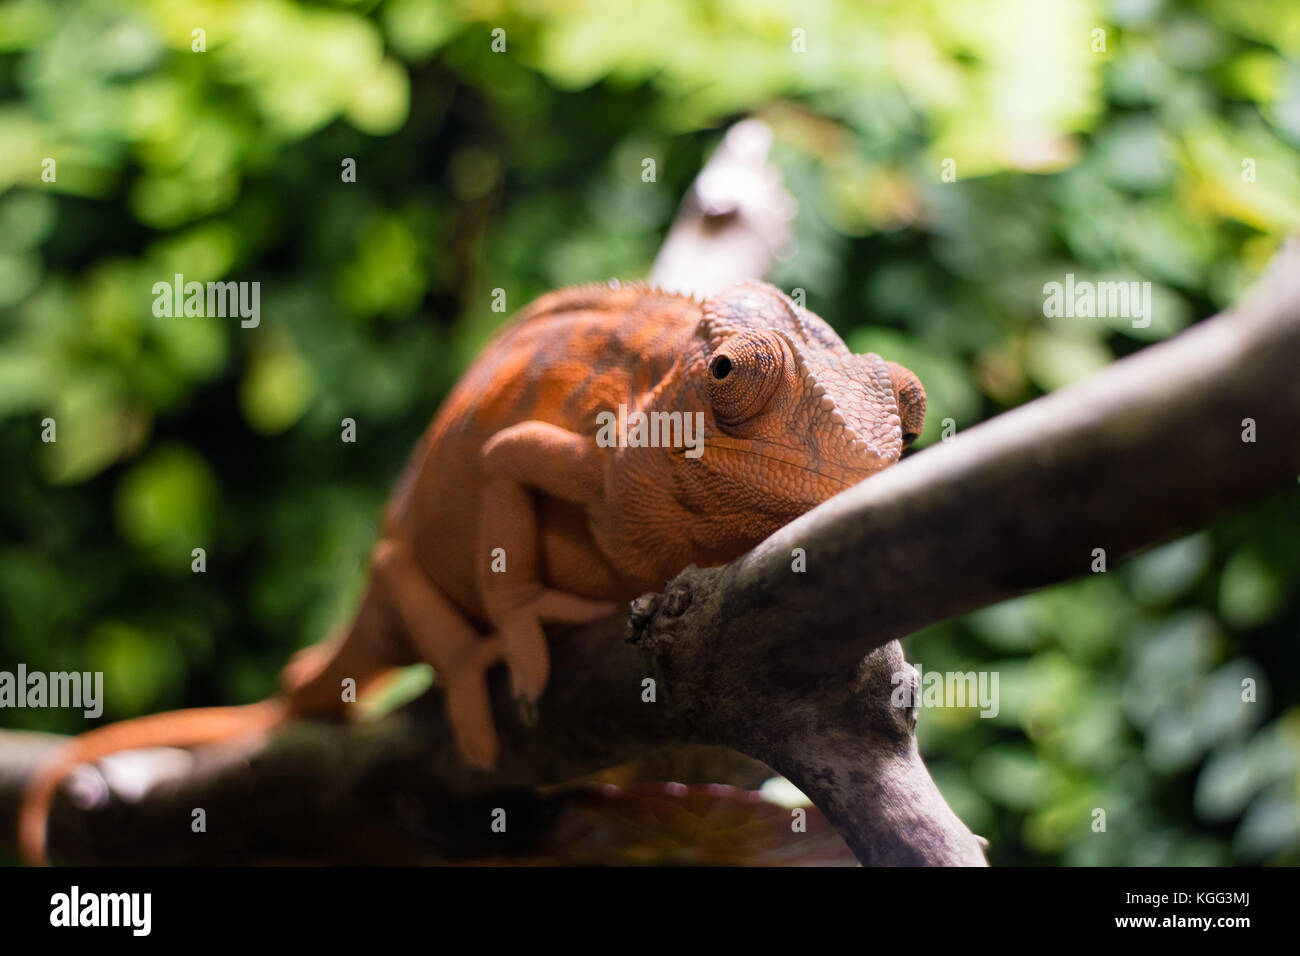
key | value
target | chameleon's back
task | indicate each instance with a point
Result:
(569, 355)
(572, 353)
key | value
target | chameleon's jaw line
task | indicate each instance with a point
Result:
(780, 461)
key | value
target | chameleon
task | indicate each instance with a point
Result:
(511, 511)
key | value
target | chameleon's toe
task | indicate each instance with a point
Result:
(471, 721)
(524, 645)
(469, 707)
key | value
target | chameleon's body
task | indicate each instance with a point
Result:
(511, 513)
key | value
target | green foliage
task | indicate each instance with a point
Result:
(521, 170)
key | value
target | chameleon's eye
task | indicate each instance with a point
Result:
(743, 375)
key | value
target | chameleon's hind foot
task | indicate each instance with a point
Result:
(438, 633)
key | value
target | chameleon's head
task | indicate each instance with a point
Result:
(793, 416)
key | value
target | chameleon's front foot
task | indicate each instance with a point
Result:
(521, 643)
(524, 642)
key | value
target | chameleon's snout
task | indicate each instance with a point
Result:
(911, 401)
(856, 413)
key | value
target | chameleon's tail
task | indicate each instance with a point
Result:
(181, 728)
(310, 684)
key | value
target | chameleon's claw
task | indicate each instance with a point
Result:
(527, 711)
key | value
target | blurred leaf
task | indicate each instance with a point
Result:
(166, 504)
(1166, 573)
(1250, 591)
(137, 665)
(1012, 776)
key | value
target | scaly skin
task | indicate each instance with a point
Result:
(511, 462)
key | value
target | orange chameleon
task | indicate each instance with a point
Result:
(511, 513)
